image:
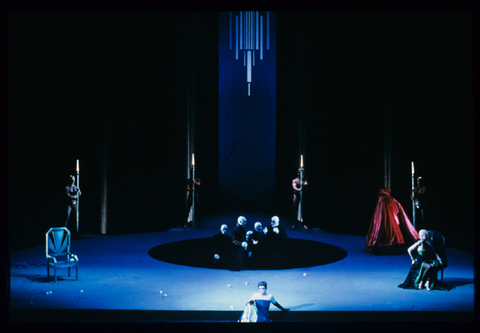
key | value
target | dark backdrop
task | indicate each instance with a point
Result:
(110, 89)
(346, 72)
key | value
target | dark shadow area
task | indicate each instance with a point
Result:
(455, 282)
(44, 279)
(390, 250)
(291, 319)
(300, 253)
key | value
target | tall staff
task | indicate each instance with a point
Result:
(413, 195)
(78, 195)
(193, 190)
(300, 212)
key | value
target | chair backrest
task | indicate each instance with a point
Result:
(57, 241)
(438, 242)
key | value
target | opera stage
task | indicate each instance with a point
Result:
(122, 279)
(356, 97)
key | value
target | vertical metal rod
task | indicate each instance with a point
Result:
(301, 190)
(385, 160)
(387, 148)
(413, 195)
(241, 30)
(256, 31)
(230, 32)
(193, 191)
(261, 37)
(78, 196)
(268, 30)
(236, 38)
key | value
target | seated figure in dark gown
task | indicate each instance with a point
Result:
(390, 224)
(425, 265)
(262, 301)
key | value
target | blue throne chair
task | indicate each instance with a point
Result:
(438, 242)
(58, 251)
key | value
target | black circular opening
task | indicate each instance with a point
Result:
(197, 253)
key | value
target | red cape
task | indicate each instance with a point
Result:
(390, 224)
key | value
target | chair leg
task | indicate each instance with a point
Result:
(55, 274)
(68, 271)
(48, 271)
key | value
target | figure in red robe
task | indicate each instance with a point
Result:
(390, 224)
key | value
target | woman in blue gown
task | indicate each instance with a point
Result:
(262, 301)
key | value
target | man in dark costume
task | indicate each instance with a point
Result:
(192, 188)
(239, 241)
(72, 194)
(248, 255)
(256, 245)
(420, 199)
(298, 187)
(276, 244)
(222, 248)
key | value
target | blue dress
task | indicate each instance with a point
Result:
(259, 312)
(262, 310)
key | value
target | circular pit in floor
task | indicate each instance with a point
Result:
(198, 253)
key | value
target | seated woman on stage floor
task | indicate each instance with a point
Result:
(425, 265)
(258, 306)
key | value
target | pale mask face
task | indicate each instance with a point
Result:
(258, 227)
(275, 221)
(241, 221)
(224, 229)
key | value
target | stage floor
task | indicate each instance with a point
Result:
(120, 282)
